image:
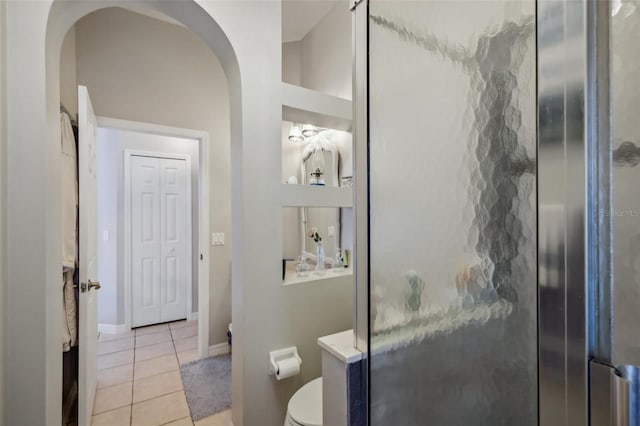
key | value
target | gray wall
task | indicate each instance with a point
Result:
(303, 312)
(266, 314)
(111, 146)
(68, 78)
(3, 138)
(291, 159)
(326, 54)
(292, 62)
(142, 69)
(321, 60)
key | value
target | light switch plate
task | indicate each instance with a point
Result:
(105, 235)
(217, 239)
(331, 231)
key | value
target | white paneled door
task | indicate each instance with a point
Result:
(88, 258)
(160, 239)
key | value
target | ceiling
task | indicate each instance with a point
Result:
(152, 13)
(300, 16)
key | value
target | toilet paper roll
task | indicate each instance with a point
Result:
(287, 367)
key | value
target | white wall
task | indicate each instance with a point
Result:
(68, 80)
(111, 146)
(142, 69)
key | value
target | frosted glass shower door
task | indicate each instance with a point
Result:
(452, 193)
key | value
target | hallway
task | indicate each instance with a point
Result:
(139, 381)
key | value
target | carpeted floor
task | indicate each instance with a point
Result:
(207, 385)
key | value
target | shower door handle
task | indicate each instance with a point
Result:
(610, 396)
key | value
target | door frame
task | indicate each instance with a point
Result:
(87, 256)
(202, 137)
(128, 285)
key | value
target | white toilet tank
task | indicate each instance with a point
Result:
(305, 406)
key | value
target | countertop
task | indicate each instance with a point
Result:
(341, 346)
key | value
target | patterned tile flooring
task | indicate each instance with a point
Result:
(139, 381)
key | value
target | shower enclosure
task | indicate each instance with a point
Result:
(497, 226)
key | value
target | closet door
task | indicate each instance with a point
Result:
(161, 239)
(145, 241)
(175, 239)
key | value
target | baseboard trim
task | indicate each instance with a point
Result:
(193, 316)
(112, 328)
(219, 349)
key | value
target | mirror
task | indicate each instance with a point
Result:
(320, 167)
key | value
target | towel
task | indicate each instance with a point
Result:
(69, 325)
(69, 193)
(69, 231)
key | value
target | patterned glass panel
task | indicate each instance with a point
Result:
(625, 101)
(453, 213)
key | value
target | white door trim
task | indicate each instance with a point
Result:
(128, 153)
(203, 218)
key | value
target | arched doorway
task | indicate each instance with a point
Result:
(33, 364)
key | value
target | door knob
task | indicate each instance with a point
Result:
(84, 287)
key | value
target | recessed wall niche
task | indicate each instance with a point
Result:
(313, 236)
(316, 156)
(316, 140)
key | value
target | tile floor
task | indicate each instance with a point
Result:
(139, 380)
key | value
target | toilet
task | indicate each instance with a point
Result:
(305, 406)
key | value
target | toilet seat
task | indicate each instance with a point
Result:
(305, 406)
(291, 422)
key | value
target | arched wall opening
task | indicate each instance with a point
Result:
(150, 69)
(41, 366)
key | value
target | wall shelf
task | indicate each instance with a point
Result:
(307, 106)
(292, 278)
(316, 196)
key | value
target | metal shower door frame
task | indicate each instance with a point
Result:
(567, 233)
(360, 68)
(575, 147)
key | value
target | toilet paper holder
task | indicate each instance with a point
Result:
(282, 354)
